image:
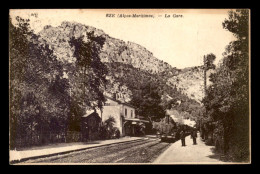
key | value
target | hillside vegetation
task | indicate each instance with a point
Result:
(60, 72)
(127, 61)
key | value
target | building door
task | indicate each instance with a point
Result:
(128, 130)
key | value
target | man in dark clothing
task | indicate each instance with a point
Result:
(194, 136)
(182, 134)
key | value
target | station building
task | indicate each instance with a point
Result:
(124, 114)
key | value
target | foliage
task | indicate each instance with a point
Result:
(208, 62)
(108, 130)
(87, 77)
(228, 97)
(148, 104)
(91, 72)
(38, 93)
(148, 90)
(43, 102)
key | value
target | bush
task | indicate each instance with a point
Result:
(108, 131)
(116, 133)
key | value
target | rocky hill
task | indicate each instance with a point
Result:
(131, 58)
(114, 50)
(190, 82)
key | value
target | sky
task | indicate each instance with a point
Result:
(181, 41)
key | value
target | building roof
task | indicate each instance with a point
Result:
(93, 114)
(90, 112)
(136, 119)
(119, 102)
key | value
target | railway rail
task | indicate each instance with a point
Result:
(139, 151)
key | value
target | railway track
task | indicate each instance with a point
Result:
(146, 154)
(70, 154)
(137, 151)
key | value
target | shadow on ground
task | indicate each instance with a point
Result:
(218, 155)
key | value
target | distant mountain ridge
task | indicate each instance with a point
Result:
(187, 81)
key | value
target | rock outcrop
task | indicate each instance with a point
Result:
(188, 81)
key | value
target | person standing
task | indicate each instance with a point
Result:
(194, 136)
(182, 134)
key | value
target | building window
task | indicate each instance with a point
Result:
(125, 112)
(131, 113)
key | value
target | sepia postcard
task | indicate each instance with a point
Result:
(129, 86)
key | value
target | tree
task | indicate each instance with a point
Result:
(148, 104)
(88, 79)
(107, 128)
(208, 64)
(90, 71)
(228, 96)
(37, 89)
